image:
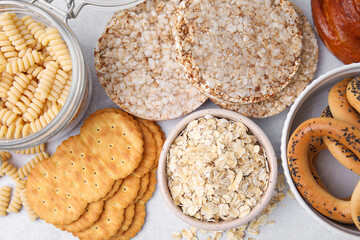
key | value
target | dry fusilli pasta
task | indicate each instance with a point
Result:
(7, 117)
(24, 63)
(33, 150)
(16, 203)
(32, 215)
(10, 170)
(46, 80)
(8, 25)
(5, 193)
(25, 170)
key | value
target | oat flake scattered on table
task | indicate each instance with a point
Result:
(239, 51)
(216, 170)
(136, 63)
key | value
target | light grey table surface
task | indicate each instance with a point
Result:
(292, 222)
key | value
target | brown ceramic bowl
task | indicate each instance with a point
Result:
(263, 141)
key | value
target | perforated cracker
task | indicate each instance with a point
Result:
(117, 140)
(128, 219)
(149, 154)
(81, 165)
(135, 59)
(158, 134)
(136, 225)
(113, 215)
(144, 182)
(47, 195)
(92, 212)
(304, 75)
(239, 51)
(90, 216)
(150, 188)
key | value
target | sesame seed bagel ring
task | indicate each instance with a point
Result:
(353, 93)
(339, 151)
(355, 205)
(298, 162)
(315, 147)
(340, 106)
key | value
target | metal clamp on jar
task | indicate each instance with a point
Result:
(81, 86)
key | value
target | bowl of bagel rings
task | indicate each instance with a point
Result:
(320, 149)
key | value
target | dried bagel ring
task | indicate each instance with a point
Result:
(353, 93)
(315, 147)
(328, 205)
(339, 151)
(340, 106)
(355, 205)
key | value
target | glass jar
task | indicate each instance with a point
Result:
(81, 86)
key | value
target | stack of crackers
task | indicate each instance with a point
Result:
(253, 57)
(97, 183)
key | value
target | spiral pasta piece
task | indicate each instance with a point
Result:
(27, 36)
(16, 203)
(4, 157)
(35, 71)
(45, 119)
(59, 49)
(32, 215)
(25, 170)
(33, 150)
(2, 62)
(65, 92)
(7, 117)
(20, 83)
(8, 25)
(58, 85)
(10, 170)
(5, 193)
(47, 79)
(24, 63)
(35, 28)
(5, 83)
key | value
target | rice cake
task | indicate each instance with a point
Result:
(282, 100)
(238, 51)
(135, 59)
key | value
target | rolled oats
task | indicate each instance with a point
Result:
(304, 75)
(239, 51)
(216, 170)
(135, 59)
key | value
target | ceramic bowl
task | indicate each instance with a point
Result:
(339, 180)
(262, 139)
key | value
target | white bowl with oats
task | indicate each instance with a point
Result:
(217, 170)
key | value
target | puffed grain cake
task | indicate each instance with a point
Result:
(239, 51)
(304, 75)
(136, 63)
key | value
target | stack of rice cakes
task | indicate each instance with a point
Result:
(135, 59)
(97, 183)
(253, 57)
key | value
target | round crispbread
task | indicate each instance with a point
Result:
(135, 59)
(238, 51)
(282, 100)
